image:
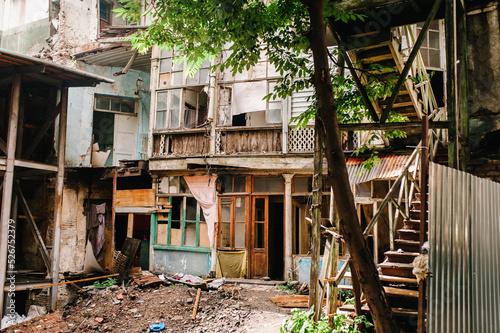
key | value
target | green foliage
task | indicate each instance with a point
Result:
(302, 322)
(344, 294)
(104, 284)
(288, 287)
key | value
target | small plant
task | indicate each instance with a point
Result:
(344, 295)
(287, 287)
(302, 322)
(104, 284)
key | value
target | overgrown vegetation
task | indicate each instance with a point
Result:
(302, 322)
(104, 284)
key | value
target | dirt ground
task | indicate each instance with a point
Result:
(133, 309)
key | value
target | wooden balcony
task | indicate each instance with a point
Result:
(181, 143)
(248, 141)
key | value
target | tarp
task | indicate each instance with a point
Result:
(231, 264)
(247, 97)
(203, 190)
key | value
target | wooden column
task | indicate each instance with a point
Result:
(130, 225)
(58, 203)
(288, 225)
(451, 75)
(464, 88)
(316, 218)
(8, 181)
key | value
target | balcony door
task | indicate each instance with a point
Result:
(259, 245)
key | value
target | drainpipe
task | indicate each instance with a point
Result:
(58, 204)
(153, 83)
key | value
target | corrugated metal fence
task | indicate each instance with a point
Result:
(464, 233)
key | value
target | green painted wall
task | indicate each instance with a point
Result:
(26, 38)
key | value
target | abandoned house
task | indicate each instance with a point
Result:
(213, 179)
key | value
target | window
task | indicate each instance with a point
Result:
(232, 219)
(104, 14)
(231, 184)
(114, 130)
(114, 104)
(182, 102)
(184, 226)
(432, 44)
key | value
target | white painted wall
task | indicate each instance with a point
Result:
(19, 12)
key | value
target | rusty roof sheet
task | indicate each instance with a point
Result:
(390, 167)
(33, 68)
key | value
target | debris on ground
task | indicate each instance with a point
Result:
(140, 307)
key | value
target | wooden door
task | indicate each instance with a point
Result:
(259, 237)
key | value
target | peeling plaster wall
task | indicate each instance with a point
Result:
(81, 19)
(484, 79)
(80, 111)
(24, 25)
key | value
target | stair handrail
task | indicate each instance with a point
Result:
(392, 190)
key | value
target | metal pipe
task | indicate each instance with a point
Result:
(58, 200)
(8, 180)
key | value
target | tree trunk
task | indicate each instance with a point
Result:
(337, 172)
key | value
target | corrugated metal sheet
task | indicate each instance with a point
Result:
(118, 57)
(16, 62)
(464, 234)
(390, 167)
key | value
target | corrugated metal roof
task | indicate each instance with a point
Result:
(12, 62)
(389, 167)
(117, 57)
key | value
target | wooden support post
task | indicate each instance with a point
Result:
(357, 292)
(375, 237)
(58, 202)
(451, 73)
(331, 292)
(8, 181)
(423, 215)
(195, 309)
(316, 218)
(130, 225)
(464, 88)
(288, 227)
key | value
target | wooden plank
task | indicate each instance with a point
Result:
(130, 225)
(292, 301)
(135, 198)
(162, 234)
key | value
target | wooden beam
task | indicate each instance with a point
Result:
(48, 123)
(3, 146)
(409, 62)
(464, 89)
(44, 79)
(33, 227)
(451, 79)
(354, 74)
(130, 225)
(392, 126)
(35, 165)
(23, 69)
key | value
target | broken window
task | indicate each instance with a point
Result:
(104, 14)
(268, 184)
(182, 100)
(114, 130)
(184, 226)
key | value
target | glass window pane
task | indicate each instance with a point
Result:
(165, 53)
(259, 236)
(161, 100)
(205, 63)
(225, 200)
(239, 235)
(115, 104)
(189, 118)
(191, 207)
(268, 184)
(225, 234)
(302, 185)
(192, 80)
(239, 184)
(177, 78)
(270, 90)
(425, 55)
(204, 75)
(102, 103)
(260, 209)
(190, 234)
(165, 65)
(239, 210)
(174, 107)
(225, 213)
(274, 112)
(434, 58)
(224, 115)
(128, 106)
(161, 119)
(434, 39)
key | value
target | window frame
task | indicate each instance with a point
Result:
(183, 223)
(273, 101)
(427, 46)
(121, 99)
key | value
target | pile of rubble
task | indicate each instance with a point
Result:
(149, 302)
